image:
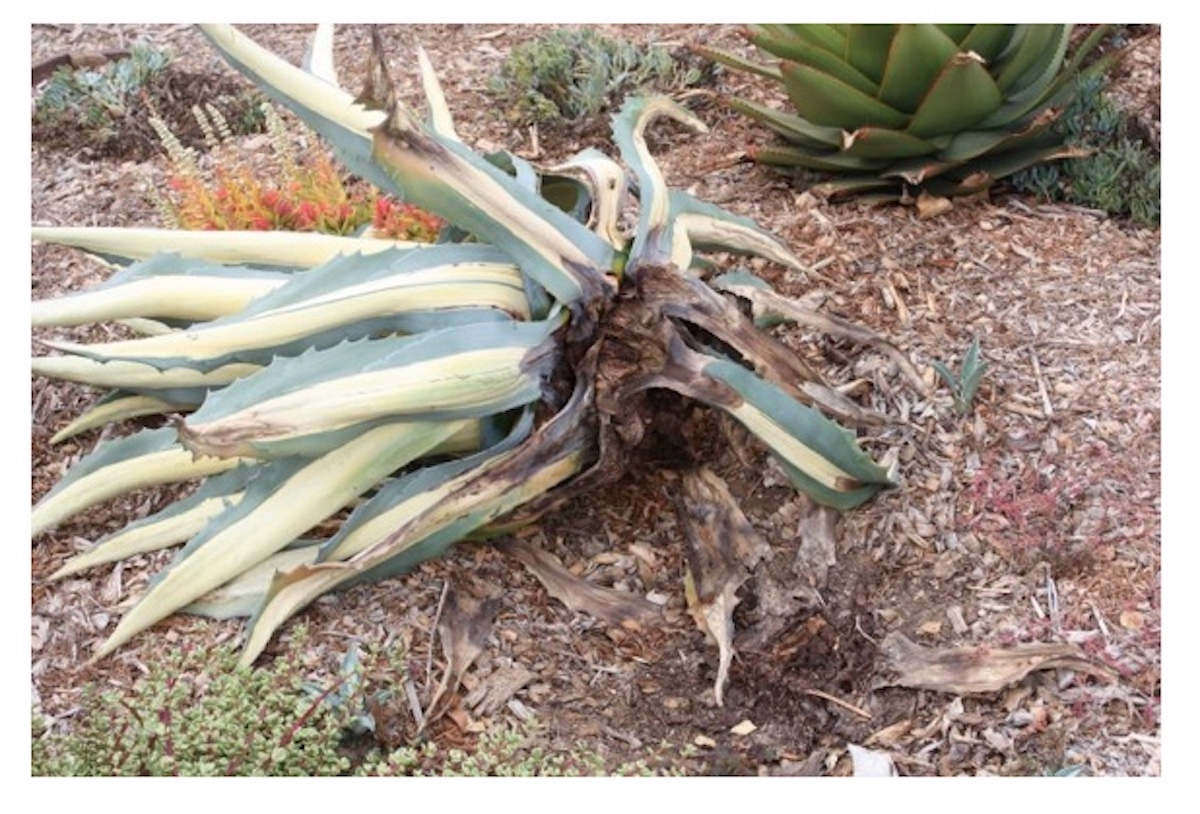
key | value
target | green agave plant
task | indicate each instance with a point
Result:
(441, 391)
(948, 109)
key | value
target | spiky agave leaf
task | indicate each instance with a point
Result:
(654, 241)
(175, 524)
(469, 498)
(243, 595)
(608, 190)
(708, 227)
(306, 404)
(371, 526)
(117, 406)
(344, 122)
(279, 506)
(346, 298)
(770, 307)
(441, 175)
(122, 245)
(440, 119)
(430, 169)
(318, 58)
(146, 458)
(185, 385)
(822, 458)
(167, 286)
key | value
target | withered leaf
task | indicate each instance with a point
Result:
(965, 670)
(720, 546)
(610, 606)
(496, 689)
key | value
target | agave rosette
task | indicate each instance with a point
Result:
(441, 391)
(949, 109)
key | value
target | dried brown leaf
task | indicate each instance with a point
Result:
(495, 691)
(930, 206)
(964, 670)
(721, 546)
(465, 626)
(610, 606)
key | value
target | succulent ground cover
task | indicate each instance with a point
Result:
(1033, 517)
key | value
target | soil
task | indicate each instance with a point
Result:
(1035, 517)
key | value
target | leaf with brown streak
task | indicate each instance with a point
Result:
(721, 547)
(464, 627)
(767, 303)
(962, 670)
(610, 606)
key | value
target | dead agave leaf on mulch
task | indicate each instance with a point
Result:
(610, 606)
(930, 206)
(966, 670)
(464, 626)
(721, 548)
(495, 691)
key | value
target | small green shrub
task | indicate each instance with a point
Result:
(198, 713)
(964, 384)
(513, 751)
(1120, 176)
(201, 714)
(570, 74)
(95, 99)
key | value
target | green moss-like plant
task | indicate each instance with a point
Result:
(570, 74)
(198, 713)
(514, 751)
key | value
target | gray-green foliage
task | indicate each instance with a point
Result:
(964, 384)
(96, 98)
(508, 751)
(1121, 175)
(198, 713)
(575, 73)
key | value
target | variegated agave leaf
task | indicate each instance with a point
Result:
(305, 404)
(147, 458)
(281, 504)
(167, 286)
(347, 298)
(122, 245)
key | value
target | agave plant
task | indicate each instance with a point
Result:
(948, 109)
(442, 391)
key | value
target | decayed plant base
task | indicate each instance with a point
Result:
(465, 389)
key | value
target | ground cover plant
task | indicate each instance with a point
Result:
(94, 105)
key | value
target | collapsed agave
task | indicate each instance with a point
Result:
(452, 385)
(947, 108)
